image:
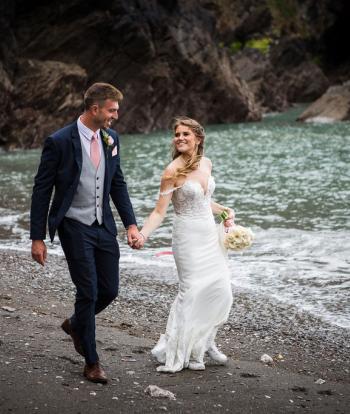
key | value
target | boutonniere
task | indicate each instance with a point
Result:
(108, 140)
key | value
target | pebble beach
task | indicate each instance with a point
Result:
(310, 370)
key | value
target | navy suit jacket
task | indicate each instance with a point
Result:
(60, 169)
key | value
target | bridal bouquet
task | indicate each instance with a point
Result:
(235, 237)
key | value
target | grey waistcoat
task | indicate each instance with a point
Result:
(87, 202)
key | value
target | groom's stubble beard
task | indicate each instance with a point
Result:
(106, 122)
(112, 122)
(103, 122)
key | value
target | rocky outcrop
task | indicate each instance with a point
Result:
(334, 105)
(307, 48)
(7, 61)
(275, 87)
(301, 79)
(44, 92)
(256, 70)
(304, 83)
(162, 55)
(6, 89)
(169, 57)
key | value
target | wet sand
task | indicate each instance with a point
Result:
(40, 371)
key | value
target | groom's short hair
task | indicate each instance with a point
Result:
(99, 92)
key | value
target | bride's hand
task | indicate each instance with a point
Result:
(140, 242)
(230, 219)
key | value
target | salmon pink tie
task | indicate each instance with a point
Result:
(95, 151)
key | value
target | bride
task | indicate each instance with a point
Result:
(204, 298)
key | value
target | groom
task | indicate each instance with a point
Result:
(81, 163)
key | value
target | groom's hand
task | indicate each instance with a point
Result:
(133, 236)
(39, 251)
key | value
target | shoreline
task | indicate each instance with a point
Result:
(304, 349)
(164, 271)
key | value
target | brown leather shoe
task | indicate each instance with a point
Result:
(67, 327)
(95, 373)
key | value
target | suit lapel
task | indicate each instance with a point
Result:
(77, 146)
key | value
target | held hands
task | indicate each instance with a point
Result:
(140, 242)
(136, 240)
(39, 251)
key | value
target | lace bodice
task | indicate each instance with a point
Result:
(190, 199)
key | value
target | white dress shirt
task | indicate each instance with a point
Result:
(86, 134)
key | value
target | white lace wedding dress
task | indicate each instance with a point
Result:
(204, 299)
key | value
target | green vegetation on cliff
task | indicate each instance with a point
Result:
(262, 45)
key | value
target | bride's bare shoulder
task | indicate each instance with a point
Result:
(207, 163)
(170, 169)
(168, 179)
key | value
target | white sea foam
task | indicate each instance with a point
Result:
(9, 220)
(305, 269)
(309, 270)
(321, 120)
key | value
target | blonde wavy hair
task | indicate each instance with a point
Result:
(193, 162)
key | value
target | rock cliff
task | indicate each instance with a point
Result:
(161, 54)
(168, 57)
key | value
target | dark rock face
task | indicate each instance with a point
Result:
(305, 82)
(6, 89)
(287, 54)
(162, 55)
(44, 91)
(308, 47)
(275, 86)
(239, 20)
(256, 70)
(7, 62)
(168, 57)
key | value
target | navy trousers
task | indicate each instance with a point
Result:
(92, 255)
